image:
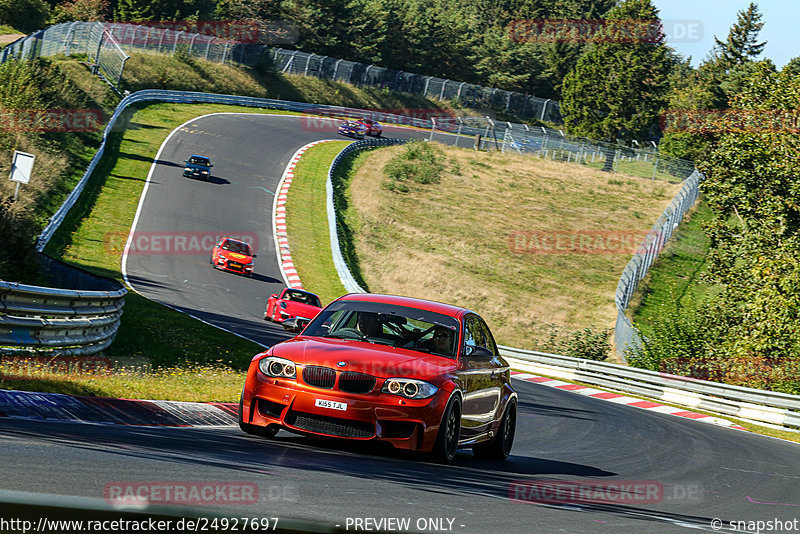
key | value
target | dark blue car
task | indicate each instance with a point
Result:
(353, 129)
(198, 167)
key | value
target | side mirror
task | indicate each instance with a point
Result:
(273, 296)
(254, 256)
(295, 324)
(480, 353)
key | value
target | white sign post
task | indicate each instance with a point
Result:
(21, 169)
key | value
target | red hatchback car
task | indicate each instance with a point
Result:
(292, 303)
(416, 374)
(233, 255)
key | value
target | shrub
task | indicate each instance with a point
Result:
(588, 344)
(419, 162)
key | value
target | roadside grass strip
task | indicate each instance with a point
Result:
(301, 219)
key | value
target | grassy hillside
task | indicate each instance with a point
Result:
(153, 71)
(532, 245)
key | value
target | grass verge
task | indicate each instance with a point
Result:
(307, 222)
(676, 278)
(200, 383)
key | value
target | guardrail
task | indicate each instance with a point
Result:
(76, 321)
(745, 403)
(346, 277)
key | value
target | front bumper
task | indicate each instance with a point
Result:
(403, 423)
(225, 265)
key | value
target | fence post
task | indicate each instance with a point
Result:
(544, 108)
(308, 63)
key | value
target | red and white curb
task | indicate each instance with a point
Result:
(623, 399)
(282, 249)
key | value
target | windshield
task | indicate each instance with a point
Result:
(198, 160)
(236, 246)
(303, 297)
(385, 324)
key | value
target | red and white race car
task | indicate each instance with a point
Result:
(374, 128)
(233, 255)
(292, 303)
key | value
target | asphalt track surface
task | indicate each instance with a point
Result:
(249, 153)
(704, 472)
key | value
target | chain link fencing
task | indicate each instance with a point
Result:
(102, 50)
(555, 145)
(626, 337)
(106, 43)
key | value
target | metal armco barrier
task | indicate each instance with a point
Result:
(348, 281)
(746, 403)
(64, 321)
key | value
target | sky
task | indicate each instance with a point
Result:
(691, 25)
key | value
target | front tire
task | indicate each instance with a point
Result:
(444, 450)
(500, 447)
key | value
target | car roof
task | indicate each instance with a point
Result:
(411, 302)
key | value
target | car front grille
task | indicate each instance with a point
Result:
(321, 377)
(330, 426)
(356, 382)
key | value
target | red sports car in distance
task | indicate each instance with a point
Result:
(233, 255)
(374, 128)
(417, 374)
(290, 304)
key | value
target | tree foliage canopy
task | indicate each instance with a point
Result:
(617, 89)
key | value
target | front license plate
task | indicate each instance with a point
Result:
(333, 405)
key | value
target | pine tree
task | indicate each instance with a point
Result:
(741, 45)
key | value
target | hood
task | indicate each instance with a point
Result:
(196, 166)
(235, 256)
(378, 360)
(302, 308)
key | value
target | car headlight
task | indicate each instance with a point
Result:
(277, 367)
(409, 388)
(187, 169)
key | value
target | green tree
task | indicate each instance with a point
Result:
(793, 67)
(24, 15)
(741, 45)
(753, 191)
(617, 89)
